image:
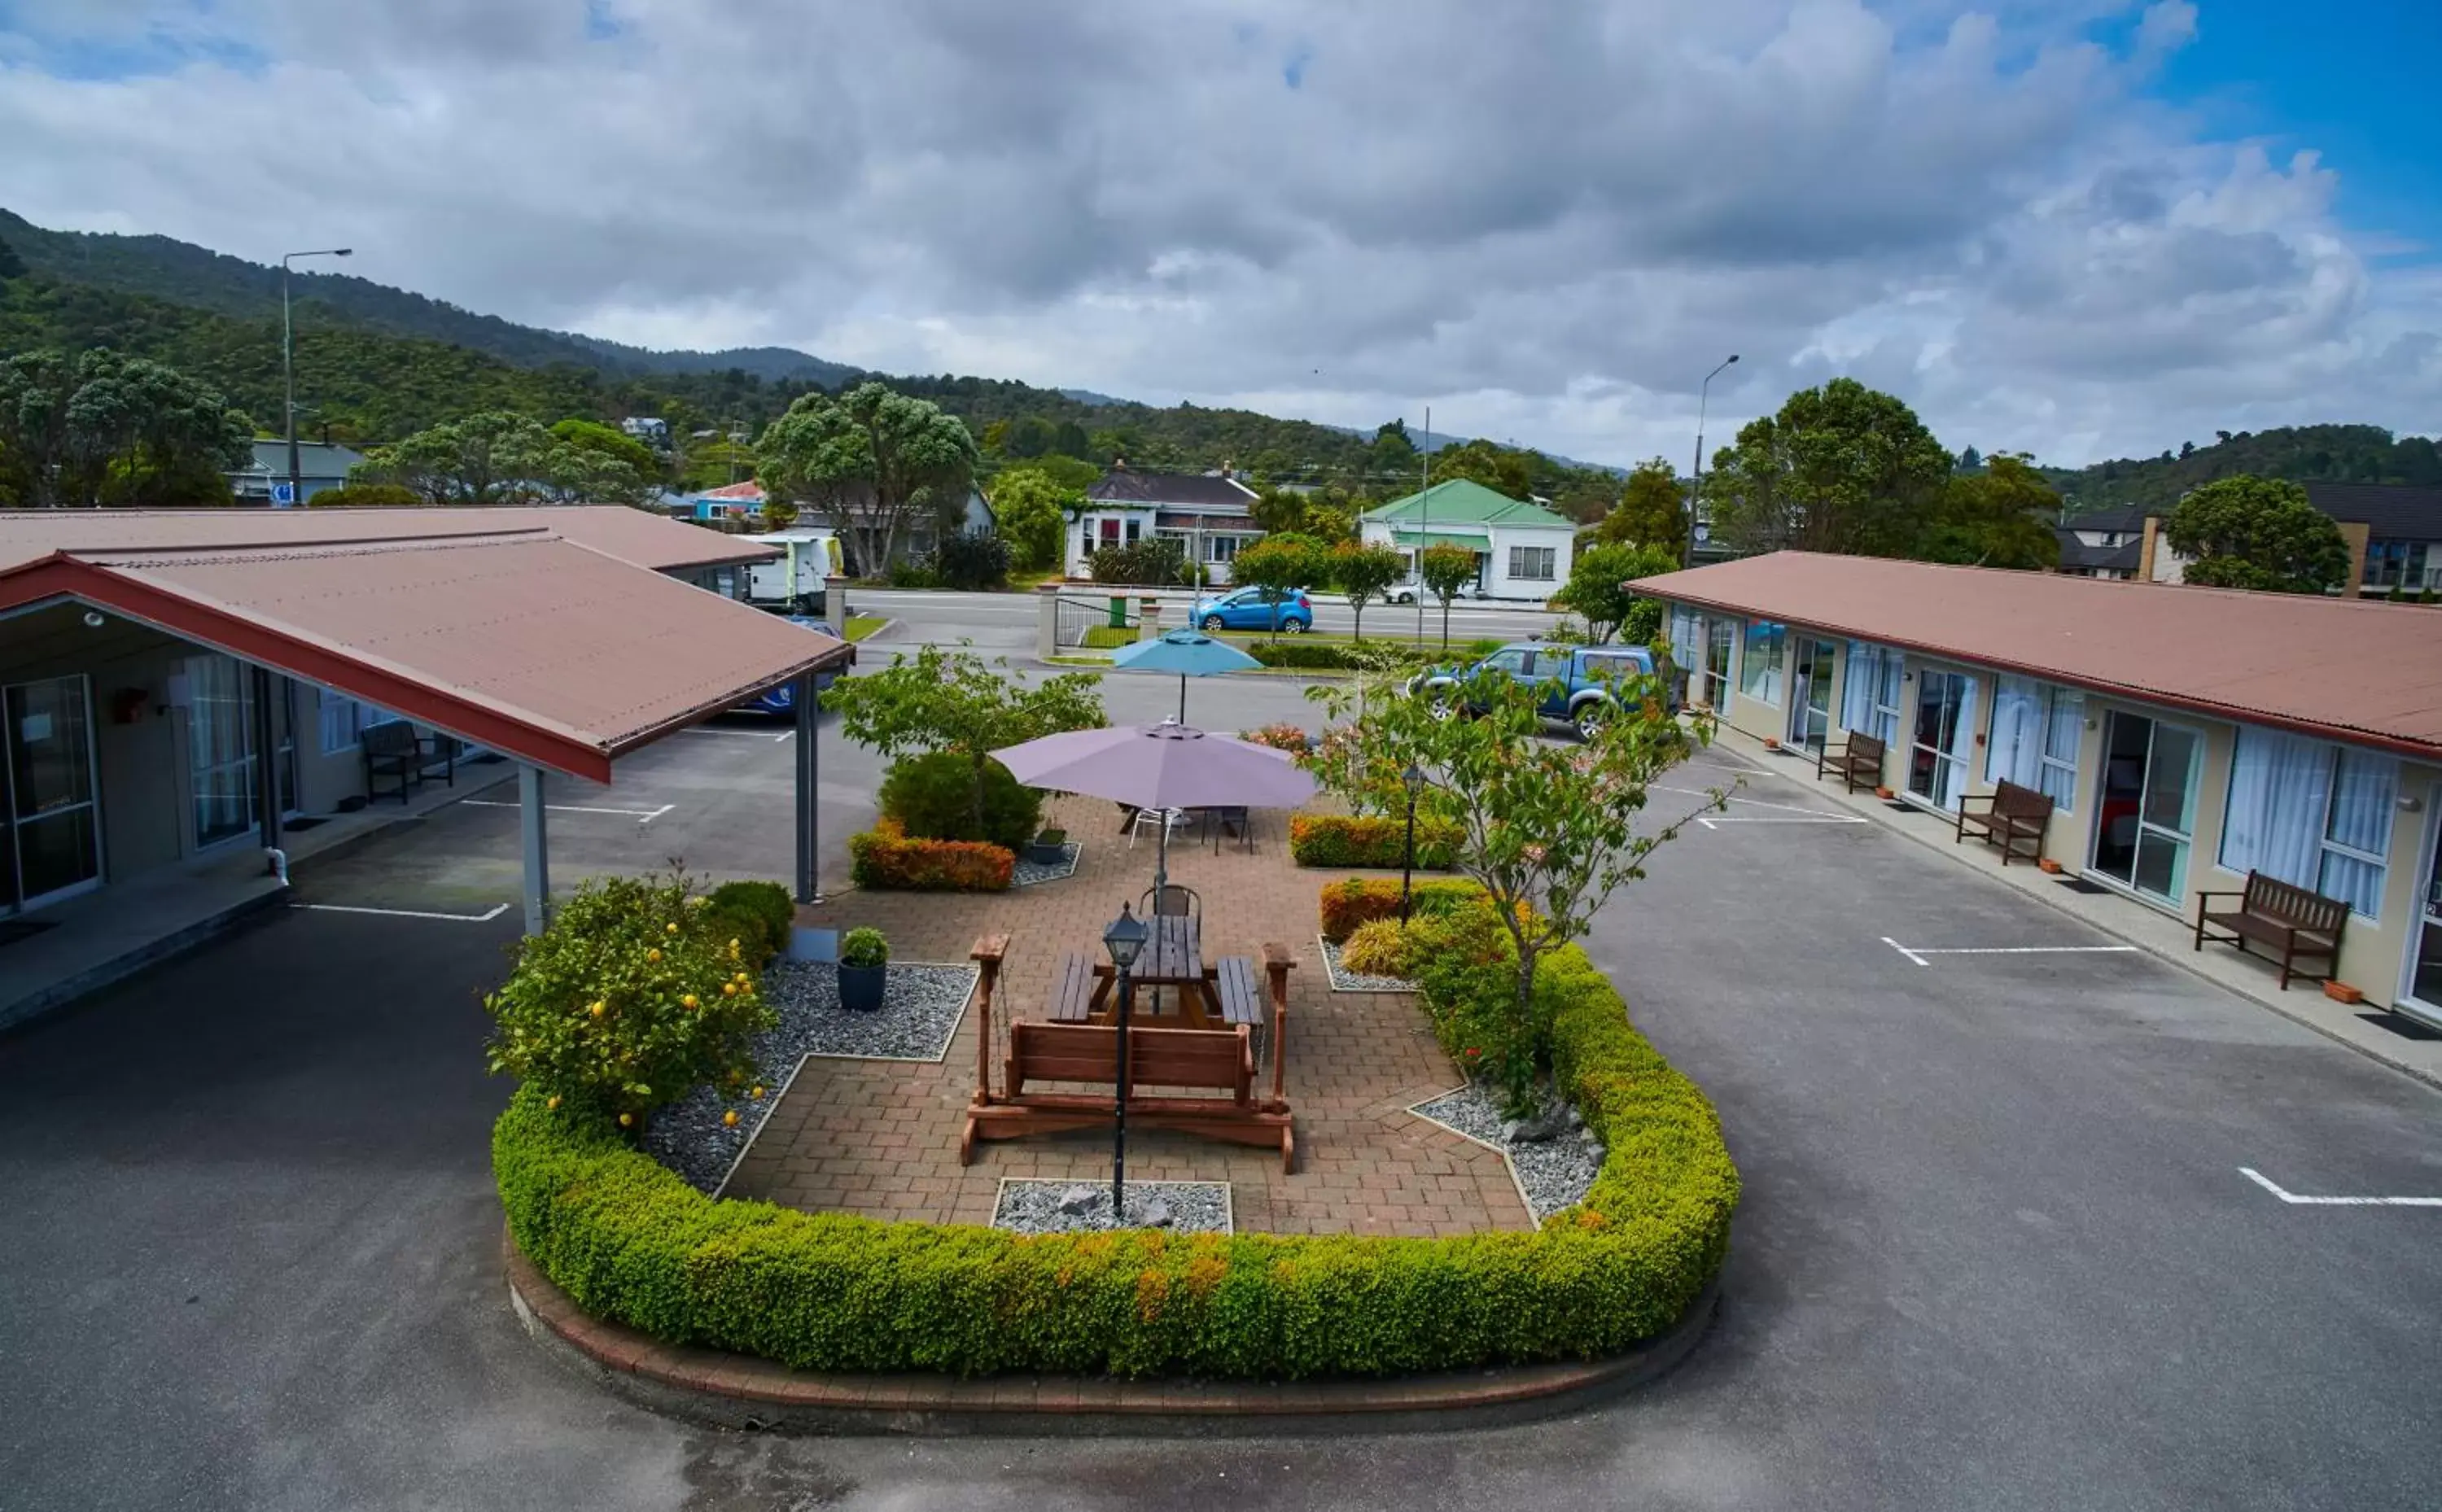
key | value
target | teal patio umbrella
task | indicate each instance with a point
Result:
(1187, 654)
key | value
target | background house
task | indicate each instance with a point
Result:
(1208, 514)
(2393, 532)
(319, 465)
(1522, 550)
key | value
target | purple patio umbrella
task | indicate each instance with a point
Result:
(1160, 767)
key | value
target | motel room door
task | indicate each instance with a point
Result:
(1810, 702)
(51, 823)
(2148, 811)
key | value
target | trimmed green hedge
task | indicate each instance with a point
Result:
(1344, 839)
(631, 1241)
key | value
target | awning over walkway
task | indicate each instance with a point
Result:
(496, 630)
(1473, 541)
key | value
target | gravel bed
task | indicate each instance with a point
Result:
(920, 1011)
(1553, 1173)
(1026, 873)
(1043, 1206)
(1344, 980)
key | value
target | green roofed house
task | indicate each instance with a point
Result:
(1521, 549)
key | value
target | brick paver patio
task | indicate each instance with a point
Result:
(881, 1137)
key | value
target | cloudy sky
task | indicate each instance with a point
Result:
(2081, 228)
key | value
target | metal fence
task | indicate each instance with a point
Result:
(1073, 617)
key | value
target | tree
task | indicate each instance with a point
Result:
(498, 458)
(1445, 570)
(1549, 830)
(1841, 468)
(1393, 454)
(2257, 533)
(1653, 511)
(366, 495)
(1596, 589)
(1361, 572)
(972, 561)
(1971, 461)
(1068, 439)
(872, 459)
(12, 265)
(1503, 469)
(1280, 511)
(100, 427)
(2002, 515)
(595, 436)
(954, 701)
(1280, 565)
(1033, 509)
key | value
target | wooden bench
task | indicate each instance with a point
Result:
(1218, 1062)
(2283, 916)
(1858, 759)
(1072, 991)
(2012, 817)
(1241, 998)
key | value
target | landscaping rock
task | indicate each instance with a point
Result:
(1043, 1206)
(1553, 1172)
(1344, 980)
(1079, 1199)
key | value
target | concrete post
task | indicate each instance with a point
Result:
(1148, 619)
(537, 856)
(1047, 627)
(809, 810)
(835, 605)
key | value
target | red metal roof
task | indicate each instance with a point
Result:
(2343, 668)
(749, 489)
(631, 535)
(525, 639)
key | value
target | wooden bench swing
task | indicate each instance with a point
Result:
(1216, 1067)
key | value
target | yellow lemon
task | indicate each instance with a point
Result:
(627, 1120)
(757, 1092)
(672, 928)
(691, 1001)
(729, 989)
(552, 1101)
(599, 1007)
(732, 947)
(652, 954)
(730, 1117)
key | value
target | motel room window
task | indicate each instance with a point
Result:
(1760, 661)
(2312, 814)
(1869, 699)
(2035, 732)
(1532, 562)
(343, 720)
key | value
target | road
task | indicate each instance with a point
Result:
(1996, 1251)
(1005, 622)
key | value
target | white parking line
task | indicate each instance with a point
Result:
(642, 816)
(498, 909)
(2295, 1199)
(1794, 813)
(1919, 953)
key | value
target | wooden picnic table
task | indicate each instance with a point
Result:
(1172, 956)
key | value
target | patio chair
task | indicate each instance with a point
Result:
(1235, 822)
(1174, 902)
(1175, 818)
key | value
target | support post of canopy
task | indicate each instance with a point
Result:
(537, 857)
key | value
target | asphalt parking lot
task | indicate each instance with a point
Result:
(1997, 1249)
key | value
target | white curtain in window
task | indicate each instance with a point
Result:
(1687, 640)
(2278, 785)
(1859, 685)
(2364, 787)
(2015, 754)
(2064, 728)
(1892, 677)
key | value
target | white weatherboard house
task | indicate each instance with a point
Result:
(1208, 514)
(1521, 549)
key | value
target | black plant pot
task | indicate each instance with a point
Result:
(1043, 855)
(860, 988)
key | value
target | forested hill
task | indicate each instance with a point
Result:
(181, 273)
(2355, 454)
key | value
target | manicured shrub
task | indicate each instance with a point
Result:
(765, 908)
(630, 1241)
(635, 996)
(1336, 656)
(972, 561)
(886, 859)
(932, 796)
(1281, 736)
(864, 948)
(1358, 900)
(1376, 949)
(1344, 839)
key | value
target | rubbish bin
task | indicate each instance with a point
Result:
(1119, 613)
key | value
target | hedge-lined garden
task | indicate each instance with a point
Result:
(631, 1241)
(1369, 840)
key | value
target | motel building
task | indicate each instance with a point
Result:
(188, 697)
(2185, 735)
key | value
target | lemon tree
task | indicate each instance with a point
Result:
(635, 996)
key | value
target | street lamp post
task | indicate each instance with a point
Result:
(1125, 940)
(1696, 485)
(288, 365)
(1414, 778)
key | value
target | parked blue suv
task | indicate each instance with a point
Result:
(1576, 681)
(782, 699)
(1245, 611)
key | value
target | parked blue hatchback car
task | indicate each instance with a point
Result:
(782, 700)
(1575, 682)
(1247, 611)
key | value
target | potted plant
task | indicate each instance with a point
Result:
(864, 970)
(1050, 848)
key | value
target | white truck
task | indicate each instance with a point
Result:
(809, 556)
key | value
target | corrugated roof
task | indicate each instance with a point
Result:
(749, 489)
(530, 641)
(2346, 668)
(1465, 501)
(630, 535)
(1123, 485)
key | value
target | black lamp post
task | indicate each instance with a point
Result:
(1414, 778)
(1125, 940)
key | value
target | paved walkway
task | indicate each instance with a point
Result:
(881, 1137)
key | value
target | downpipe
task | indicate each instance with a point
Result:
(279, 863)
